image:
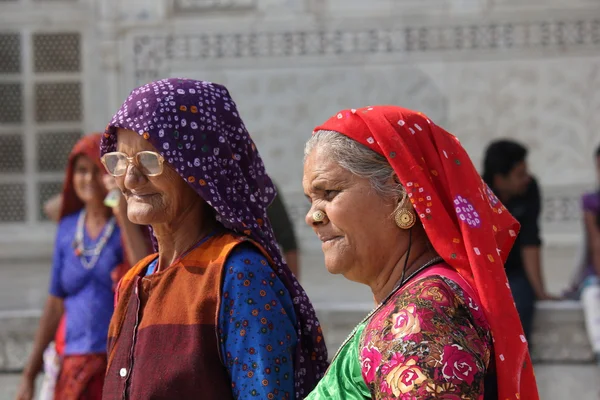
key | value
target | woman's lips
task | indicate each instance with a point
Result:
(141, 196)
(329, 240)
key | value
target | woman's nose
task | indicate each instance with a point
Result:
(314, 217)
(133, 177)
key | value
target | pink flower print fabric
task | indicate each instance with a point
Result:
(431, 340)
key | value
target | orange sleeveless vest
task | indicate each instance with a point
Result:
(163, 341)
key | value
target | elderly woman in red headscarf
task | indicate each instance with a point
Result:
(90, 254)
(399, 206)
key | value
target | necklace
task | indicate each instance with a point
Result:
(94, 252)
(429, 263)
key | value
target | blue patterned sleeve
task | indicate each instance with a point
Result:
(257, 328)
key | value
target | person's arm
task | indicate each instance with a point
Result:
(257, 326)
(53, 311)
(136, 243)
(52, 207)
(425, 349)
(531, 243)
(532, 256)
(593, 235)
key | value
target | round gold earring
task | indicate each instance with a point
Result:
(405, 219)
(318, 216)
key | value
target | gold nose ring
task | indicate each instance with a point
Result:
(318, 216)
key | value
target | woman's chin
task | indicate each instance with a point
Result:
(142, 214)
(334, 267)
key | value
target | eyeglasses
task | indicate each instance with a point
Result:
(149, 163)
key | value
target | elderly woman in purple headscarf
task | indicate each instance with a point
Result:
(216, 313)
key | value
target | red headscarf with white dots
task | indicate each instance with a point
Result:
(466, 224)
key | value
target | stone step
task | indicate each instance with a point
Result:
(17, 330)
(562, 353)
(555, 382)
(559, 330)
(559, 333)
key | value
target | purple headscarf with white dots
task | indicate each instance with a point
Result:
(196, 127)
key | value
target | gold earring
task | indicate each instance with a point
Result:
(405, 219)
(318, 216)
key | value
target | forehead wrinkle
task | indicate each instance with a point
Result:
(130, 143)
(324, 171)
(327, 168)
(332, 180)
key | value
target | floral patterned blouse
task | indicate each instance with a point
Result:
(431, 340)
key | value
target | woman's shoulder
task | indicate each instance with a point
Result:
(246, 248)
(249, 276)
(65, 230)
(248, 269)
(246, 256)
(69, 221)
(425, 327)
(431, 289)
(427, 304)
(403, 312)
(138, 267)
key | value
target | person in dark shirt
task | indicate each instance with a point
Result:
(283, 228)
(506, 173)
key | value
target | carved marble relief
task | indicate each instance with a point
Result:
(481, 80)
(547, 104)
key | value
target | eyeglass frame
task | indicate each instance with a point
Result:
(133, 160)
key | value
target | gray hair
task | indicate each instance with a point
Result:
(360, 161)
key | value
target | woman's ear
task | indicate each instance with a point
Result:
(401, 201)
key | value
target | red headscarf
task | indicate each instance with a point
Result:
(88, 146)
(466, 224)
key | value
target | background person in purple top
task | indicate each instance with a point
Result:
(586, 285)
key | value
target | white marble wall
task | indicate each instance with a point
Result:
(484, 69)
(528, 69)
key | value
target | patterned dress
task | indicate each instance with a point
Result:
(257, 328)
(429, 340)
